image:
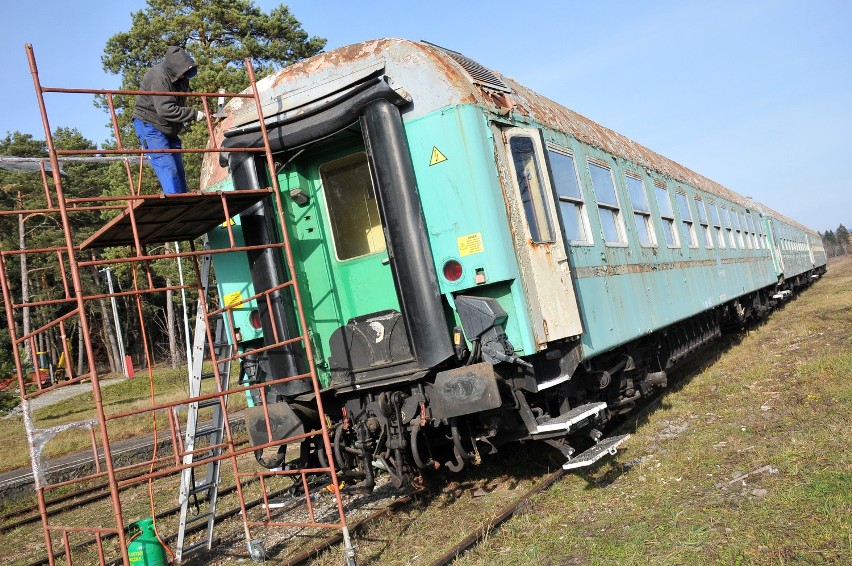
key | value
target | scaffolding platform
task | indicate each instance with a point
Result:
(172, 218)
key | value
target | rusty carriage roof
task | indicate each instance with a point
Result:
(434, 78)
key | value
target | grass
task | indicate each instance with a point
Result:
(26, 544)
(776, 407)
(135, 393)
(745, 461)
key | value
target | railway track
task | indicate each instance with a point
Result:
(63, 503)
(96, 493)
(483, 529)
(172, 511)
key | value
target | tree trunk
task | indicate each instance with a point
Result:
(108, 330)
(53, 339)
(174, 352)
(81, 346)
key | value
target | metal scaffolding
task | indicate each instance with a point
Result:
(140, 223)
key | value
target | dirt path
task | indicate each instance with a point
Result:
(61, 394)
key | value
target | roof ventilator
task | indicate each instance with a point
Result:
(478, 74)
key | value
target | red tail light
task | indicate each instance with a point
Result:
(452, 271)
(254, 320)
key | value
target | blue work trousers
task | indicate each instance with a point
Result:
(167, 166)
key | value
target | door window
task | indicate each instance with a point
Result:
(528, 174)
(352, 209)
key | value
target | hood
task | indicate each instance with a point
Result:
(179, 63)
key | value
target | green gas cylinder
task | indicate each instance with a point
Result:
(145, 548)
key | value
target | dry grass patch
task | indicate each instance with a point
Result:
(747, 463)
(744, 462)
(169, 385)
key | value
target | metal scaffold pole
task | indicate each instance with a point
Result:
(189, 440)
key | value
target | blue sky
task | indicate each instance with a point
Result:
(756, 95)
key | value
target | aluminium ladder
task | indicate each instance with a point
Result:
(213, 430)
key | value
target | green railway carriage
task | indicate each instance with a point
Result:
(798, 251)
(479, 264)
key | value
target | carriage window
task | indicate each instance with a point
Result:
(702, 219)
(571, 203)
(739, 224)
(726, 220)
(641, 211)
(758, 229)
(751, 228)
(608, 207)
(352, 210)
(714, 215)
(667, 214)
(686, 216)
(528, 174)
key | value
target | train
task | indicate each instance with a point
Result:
(478, 264)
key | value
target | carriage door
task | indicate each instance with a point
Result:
(340, 251)
(541, 254)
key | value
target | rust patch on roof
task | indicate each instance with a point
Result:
(521, 102)
(557, 117)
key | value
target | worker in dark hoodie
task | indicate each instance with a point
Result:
(158, 119)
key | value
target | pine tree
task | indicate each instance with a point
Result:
(220, 35)
(829, 242)
(37, 276)
(842, 239)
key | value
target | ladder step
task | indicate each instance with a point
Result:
(572, 417)
(209, 456)
(208, 402)
(197, 518)
(208, 375)
(596, 452)
(200, 488)
(207, 430)
(193, 547)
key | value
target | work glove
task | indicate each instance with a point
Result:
(199, 116)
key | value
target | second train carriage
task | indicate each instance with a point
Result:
(479, 264)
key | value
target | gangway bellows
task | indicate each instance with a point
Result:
(144, 221)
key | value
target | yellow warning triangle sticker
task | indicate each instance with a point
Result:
(226, 222)
(437, 157)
